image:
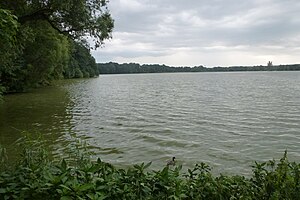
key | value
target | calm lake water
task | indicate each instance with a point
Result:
(225, 119)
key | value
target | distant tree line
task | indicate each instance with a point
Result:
(128, 68)
(45, 40)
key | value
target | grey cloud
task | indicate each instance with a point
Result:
(156, 28)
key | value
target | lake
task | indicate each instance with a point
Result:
(225, 119)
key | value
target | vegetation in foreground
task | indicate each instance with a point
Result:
(35, 176)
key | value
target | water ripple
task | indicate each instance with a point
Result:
(226, 119)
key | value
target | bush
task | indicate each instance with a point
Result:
(35, 176)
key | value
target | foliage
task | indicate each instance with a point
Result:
(37, 64)
(45, 40)
(35, 176)
(128, 68)
(81, 64)
(74, 18)
(8, 27)
(8, 32)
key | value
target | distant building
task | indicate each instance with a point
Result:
(270, 64)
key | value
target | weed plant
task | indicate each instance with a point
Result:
(35, 176)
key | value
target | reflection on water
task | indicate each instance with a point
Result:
(39, 112)
(225, 119)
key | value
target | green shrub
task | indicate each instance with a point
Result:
(35, 176)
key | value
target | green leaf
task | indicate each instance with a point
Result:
(65, 198)
(65, 187)
(147, 165)
(2, 190)
(85, 187)
(64, 165)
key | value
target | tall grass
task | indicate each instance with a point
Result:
(35, 176)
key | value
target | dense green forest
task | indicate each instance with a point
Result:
(42, 40)
(128, 68)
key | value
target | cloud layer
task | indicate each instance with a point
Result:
(204, 32)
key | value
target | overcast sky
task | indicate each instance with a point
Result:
(203, 32)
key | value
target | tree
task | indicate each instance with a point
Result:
(8, 27)
(8, 31)
(74, 18)
(42, 59)
(81, 64)
(115, 68)
(46, 39)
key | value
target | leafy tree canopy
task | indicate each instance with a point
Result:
(42, 40)
(128, 68)
(75, 18)
(8, 26)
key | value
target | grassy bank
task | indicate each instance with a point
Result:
(35, 176)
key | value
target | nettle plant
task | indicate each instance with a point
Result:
(38, 175)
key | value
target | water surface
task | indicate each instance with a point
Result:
(225, 119)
